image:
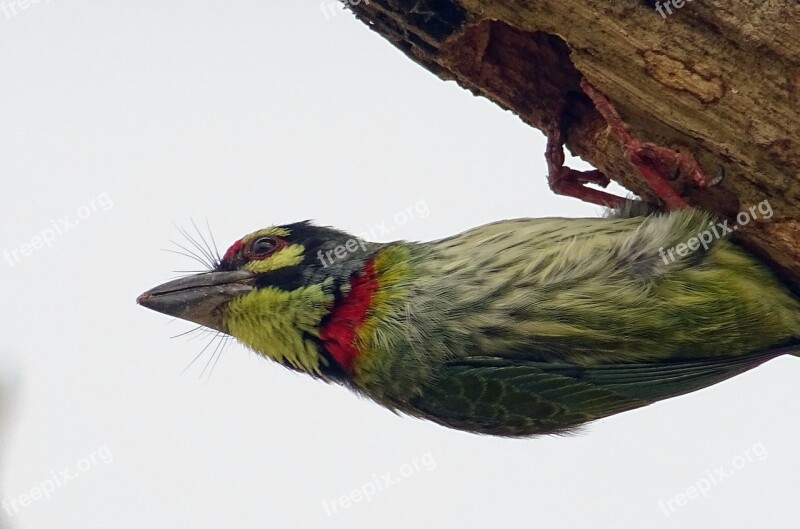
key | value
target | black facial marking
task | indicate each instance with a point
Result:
(287, 278)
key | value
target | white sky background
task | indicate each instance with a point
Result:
(255, 113)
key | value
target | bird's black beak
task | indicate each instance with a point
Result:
(199, 298)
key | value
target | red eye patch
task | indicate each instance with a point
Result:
(232, 250)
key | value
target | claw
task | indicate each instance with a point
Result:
(570, 182)
(719, 176)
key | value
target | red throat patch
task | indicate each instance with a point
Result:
(347, 316)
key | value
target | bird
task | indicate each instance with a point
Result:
(516, 328)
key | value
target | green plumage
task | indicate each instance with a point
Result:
(539, 325)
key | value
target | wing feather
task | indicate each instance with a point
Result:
(518, 398)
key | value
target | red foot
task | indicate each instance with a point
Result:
(570, 182)
(653, 161)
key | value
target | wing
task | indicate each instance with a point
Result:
(502, 397)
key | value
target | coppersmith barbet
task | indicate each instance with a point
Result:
(520, 327)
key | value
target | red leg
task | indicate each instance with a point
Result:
(650, 159)
(570, 182)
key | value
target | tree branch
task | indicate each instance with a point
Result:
(719, 79)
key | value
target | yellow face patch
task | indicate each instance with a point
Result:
(277, 323)
(288, 256)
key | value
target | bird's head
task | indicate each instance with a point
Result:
(272, 290)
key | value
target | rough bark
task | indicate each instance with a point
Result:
(719, 79)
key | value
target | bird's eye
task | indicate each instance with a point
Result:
(261, 248)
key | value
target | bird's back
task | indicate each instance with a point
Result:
(574, 319)
(599, 290)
